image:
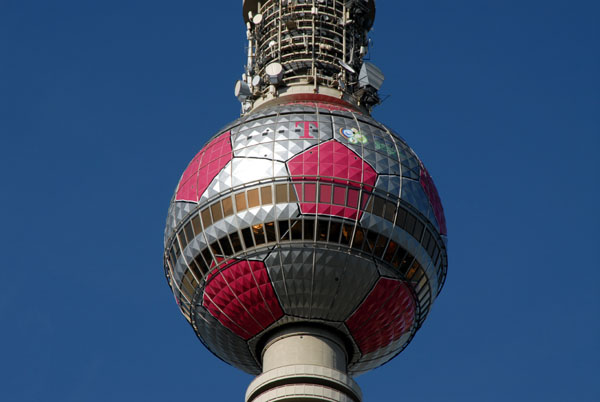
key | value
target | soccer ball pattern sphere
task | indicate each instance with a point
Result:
(309, 213)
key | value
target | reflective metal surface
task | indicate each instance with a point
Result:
(306, 213)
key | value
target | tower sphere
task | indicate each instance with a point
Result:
(306, 215)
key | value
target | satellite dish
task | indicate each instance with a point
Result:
(275, 73)
(347, 67)
(242, 91)
(257, 19)
(256, 81)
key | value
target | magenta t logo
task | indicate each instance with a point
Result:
(307, 128)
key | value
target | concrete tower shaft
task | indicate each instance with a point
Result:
(304, 363)
(308, 47)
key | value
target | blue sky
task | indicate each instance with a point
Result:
(103, 103)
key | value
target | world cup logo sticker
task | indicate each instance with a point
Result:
(353, 136)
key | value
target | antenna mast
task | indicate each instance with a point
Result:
(308, 49)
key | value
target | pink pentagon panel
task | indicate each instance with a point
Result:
(204, 167)
(331, 162)
(242, 298)
(385, 315)
(434, 199)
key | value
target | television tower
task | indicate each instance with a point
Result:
(306, 242)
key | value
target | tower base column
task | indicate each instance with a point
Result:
(304, 364)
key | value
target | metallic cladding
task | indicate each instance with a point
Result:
(306, 212)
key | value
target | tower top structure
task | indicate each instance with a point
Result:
(308, 50)
(306, 242)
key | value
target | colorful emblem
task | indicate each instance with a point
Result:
(353, 136)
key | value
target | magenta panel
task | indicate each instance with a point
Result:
(387, 313)
(331, 162)
(339, 195)
(325, 194)
(242, 298)
(434, 199)
(203, 168)
(310, 193)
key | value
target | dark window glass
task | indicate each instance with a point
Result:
(284, 230)
(227, 207)
(201, 264)
(380, 245)
(390, 251)
(401, 217)
(346, 234)
(216, 248)
(206, 220)
(405, 263)
(438, 260)
(369, 245)
(240, 202)
(296, 230)
(195, 269)
(419, 276)
(182, 241)
(270, 231)
(266, 195)
(322, 229)
(409, 225)
(418, 233)
(187, 288)
(309, 228)
(225, 246)
(378, 206)
(247, 235)
(216, 212)
(435, 255)
(369, 207)
(413, 269)
(208, 257)
(253, 200)
(359, 238)
(334, 231)
(440, 273)
(191, 281)
(259, 234)
(426, 239)
(236, 242)
(177, 249)
(399, 257)
(189, 232)
(281, 193)
(173, 256)
(390, 211)
(431, 246)
(196, 224)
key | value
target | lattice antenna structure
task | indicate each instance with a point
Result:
(308, 46)
(305, 243)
